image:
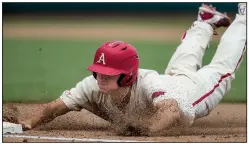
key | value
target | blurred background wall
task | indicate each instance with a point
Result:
(48, 46)
(128, 7)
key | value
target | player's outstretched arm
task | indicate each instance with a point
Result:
(166, 116)
(50, 111)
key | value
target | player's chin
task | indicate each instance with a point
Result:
(103, 89)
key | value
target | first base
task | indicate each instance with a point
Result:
(11, 128)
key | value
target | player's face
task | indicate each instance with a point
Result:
(107, 83)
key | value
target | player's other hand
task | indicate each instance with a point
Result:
(26, 125)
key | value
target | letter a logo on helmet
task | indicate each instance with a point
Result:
(101, 59)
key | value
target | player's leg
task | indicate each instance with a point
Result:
(218, 75)
(188, 55)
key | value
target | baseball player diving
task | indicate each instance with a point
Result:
(148, 102)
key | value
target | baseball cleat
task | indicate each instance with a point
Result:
(208, 14)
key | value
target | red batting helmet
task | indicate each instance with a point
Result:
(115, 58)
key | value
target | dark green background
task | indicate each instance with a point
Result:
(127, 7)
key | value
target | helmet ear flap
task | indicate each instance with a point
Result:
(124, 80)
(120, 79)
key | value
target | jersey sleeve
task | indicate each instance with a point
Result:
(78, 96)
(151, 86)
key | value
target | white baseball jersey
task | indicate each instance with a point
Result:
(146, 91)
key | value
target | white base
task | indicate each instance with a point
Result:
(12, 128)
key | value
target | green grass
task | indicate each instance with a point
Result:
(40, 70)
